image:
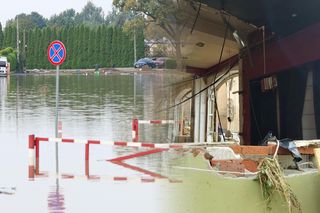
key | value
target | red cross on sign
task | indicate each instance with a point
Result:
(56, 53)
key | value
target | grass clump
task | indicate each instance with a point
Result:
(272, 180)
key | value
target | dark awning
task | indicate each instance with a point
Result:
(283, 17)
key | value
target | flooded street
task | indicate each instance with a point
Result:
(102, 108)
(91, 107)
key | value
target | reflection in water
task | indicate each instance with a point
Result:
(91, 108)
(56, 199)
(138, 169)
(3, 95)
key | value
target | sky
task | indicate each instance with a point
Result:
(47, 8)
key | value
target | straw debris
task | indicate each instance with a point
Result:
(272, 180)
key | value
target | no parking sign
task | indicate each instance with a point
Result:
(56, 53)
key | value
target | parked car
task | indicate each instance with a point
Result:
(145, 62)
(160, 62)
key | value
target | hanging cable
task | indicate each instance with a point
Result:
(196, 19)
(254, 116)
(204, 89)
(215, 76)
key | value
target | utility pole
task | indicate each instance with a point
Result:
(135, 45)
(24, 51)
(18, 48)
(134, 76)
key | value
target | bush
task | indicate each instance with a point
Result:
(171, 64)
(11, 56)
(6, 51)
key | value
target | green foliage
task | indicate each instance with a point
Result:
(11, 56)
(170, 16)
(64, 19)
(90, 15)
(29, 21)
(86, 46)
(1, 37)
(10, 34)
(88, 40)
(118, 18)
(170, 64)
(38, 19)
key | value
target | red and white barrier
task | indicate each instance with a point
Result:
(136, 122)
(122, 179)
(156, 121)
(118, 143)
(34, 149)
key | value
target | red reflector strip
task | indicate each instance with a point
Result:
(120, 143)
(149, 145)
(67, 140)
(155, 122)
(120, 178)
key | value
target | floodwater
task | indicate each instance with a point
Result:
(102, 108)
(91, 107)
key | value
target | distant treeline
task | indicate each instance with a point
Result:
(86, 46)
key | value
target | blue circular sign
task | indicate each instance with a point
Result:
(56, 53)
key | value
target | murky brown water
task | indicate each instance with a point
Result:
(91, 107)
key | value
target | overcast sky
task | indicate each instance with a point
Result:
(47, 8)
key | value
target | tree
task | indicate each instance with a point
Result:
(157, 43)
(30, 50)
(97, 44)
(38, 19)
(169, 15)
(103, 46)
(1, 37)
(27, 22)
(109, 35)
(90, 15)
(10, 34)
(118, 18)
(64, 19)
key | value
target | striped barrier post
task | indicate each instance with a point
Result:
(31, 157)
(87, 159)
(136, 122)
(87, 168)
(37, 147)
(135, 130)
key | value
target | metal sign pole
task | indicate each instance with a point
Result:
(134, 95)
(56, 55)
(57, 117)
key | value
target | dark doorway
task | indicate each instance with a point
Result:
(263, 112)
